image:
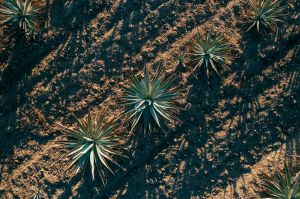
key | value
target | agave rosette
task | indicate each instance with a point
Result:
(265, 14)
(210, 52)
(24, 15)
(282, 186)
(92, 143)
(150, 101)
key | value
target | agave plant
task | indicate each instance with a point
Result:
(210, 52)
(150, 102)
(265, 14)
(282, 186)
(92, 143)
(37, 195)
(24, 15)
(181, 58)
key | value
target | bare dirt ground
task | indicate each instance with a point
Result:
(233, 128)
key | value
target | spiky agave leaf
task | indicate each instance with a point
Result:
(282, 186)
(150, 102)
(181, 57)
(92, 143)
(23, 14)
(209, 52)
(265, 14)
(37, 196)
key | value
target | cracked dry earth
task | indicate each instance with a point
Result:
(233, 129)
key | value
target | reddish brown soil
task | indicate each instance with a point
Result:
(233, 128)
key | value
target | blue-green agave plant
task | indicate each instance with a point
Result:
(282, 186)
(265, 14)
(210, 52)
(92, 143)
(19, 13)
(150, 101)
